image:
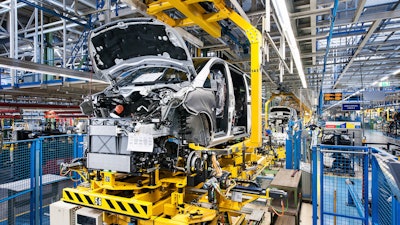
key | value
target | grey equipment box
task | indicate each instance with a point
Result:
(120, 163)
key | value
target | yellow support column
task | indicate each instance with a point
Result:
(254, 37)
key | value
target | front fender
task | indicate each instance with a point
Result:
(201, 100)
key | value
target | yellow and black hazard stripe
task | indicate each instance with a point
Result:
(126, 206)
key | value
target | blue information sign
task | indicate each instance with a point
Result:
(351, 106)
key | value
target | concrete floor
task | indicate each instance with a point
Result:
(306, 214)
(376, 136)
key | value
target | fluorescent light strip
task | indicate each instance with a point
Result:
(396, 72)
(384, 78)
(284, 20)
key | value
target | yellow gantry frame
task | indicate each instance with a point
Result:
(173, 206)
(196, 15)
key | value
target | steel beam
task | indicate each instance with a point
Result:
(46, 69)
(363, 18)
(62, 5)
(85, 2)
(312, 12)
(359, 11)
(360, 47)
(6, 9)
(13, 28)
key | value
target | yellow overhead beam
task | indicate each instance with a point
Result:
(210, 18)
(166, 19)
(159, 6)
(194, 13)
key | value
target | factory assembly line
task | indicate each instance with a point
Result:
(172, 140)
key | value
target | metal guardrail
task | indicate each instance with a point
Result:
(356, 185)
(29, 176)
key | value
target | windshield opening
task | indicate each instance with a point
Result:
(199, 63)
(151, 75)
(280, 110)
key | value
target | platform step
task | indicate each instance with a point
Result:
(285, 220)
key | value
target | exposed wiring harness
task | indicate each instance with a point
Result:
(283, 210)
(215, 165)
(78, 166)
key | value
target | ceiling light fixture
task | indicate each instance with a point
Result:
(384, 78)
(284, 20)
(396, 72)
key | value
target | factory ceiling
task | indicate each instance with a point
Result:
(344, 45)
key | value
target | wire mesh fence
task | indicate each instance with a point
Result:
(15, 185)
(30, 179)
(357, 185)
(385, 191)
(344, 185)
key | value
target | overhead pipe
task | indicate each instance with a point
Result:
(54, 29)
(328, 43)
(57, 23)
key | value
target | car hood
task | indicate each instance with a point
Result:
(140, 41)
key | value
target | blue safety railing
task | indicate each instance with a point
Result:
(30, 176)
(355, 185)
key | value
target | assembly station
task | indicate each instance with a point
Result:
(197, 112)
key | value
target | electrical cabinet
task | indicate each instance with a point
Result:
(62, 213)
(89, 216)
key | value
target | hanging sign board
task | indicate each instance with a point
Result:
(333, 96)
(351, 106)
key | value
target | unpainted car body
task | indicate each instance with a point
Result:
(278, 119)
(159, 98)
(279, 116)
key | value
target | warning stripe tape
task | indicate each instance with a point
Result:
(116, 204)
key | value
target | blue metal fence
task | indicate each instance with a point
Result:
(386, 194)
(354, 185)
(29, 176)
(343, 184)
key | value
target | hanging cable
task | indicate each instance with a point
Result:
(283, 208)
